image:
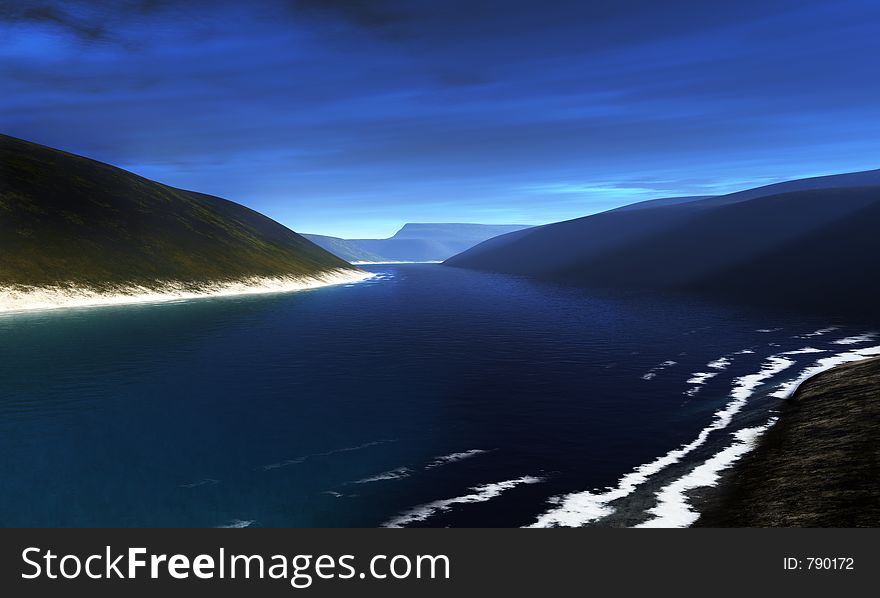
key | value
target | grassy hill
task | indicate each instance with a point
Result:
(65, 219)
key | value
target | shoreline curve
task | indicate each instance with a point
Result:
(16, 299)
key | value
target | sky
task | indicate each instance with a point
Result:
(351, 118)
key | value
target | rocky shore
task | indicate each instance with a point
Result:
(819, 466)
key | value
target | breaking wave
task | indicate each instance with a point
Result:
(482, 493)
(454, 457)
(580, 508)
(673, 508)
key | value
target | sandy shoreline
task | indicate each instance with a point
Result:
(20, 299)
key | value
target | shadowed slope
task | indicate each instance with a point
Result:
(819, 246)
(561, 244)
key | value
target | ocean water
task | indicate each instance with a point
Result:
(426, 395)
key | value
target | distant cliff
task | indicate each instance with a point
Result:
(415, 242)
(345, 249)
(819, 466)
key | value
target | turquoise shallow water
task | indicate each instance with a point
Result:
(348, 405)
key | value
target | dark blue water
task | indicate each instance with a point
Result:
(328, 407)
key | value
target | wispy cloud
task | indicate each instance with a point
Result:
(339, 115)
(602, 189)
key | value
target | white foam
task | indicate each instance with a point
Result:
(394, 474)
(454, 457)
(284, 463)
(804, 351)
(826, 363)
(867, 337)
(719, 364)
(298, 460)
(701, 377)
(820, 332)
(14, 299)
(357, 447)
(673, 508)
(698, 379)
(202, 482)
(482, 493)
(580, 508)
(652, 373)
(238, 524)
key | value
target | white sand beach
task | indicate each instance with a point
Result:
(15, 299)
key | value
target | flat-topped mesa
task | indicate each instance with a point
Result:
(74, 231)
(416, 242)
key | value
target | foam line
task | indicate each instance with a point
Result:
(867, 337)
(298, 460)
(454, 457)
(482, 493)
(698, 379)
(394, 474)
(284, 463)
(820, 332)
(652, 373)
(701, 377)
(348, 449)
(202, 482)
(580, 508)
(673, 508)
(238, 524)
(826, 363)
(804, 351)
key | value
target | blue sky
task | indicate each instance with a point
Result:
(351, 118)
